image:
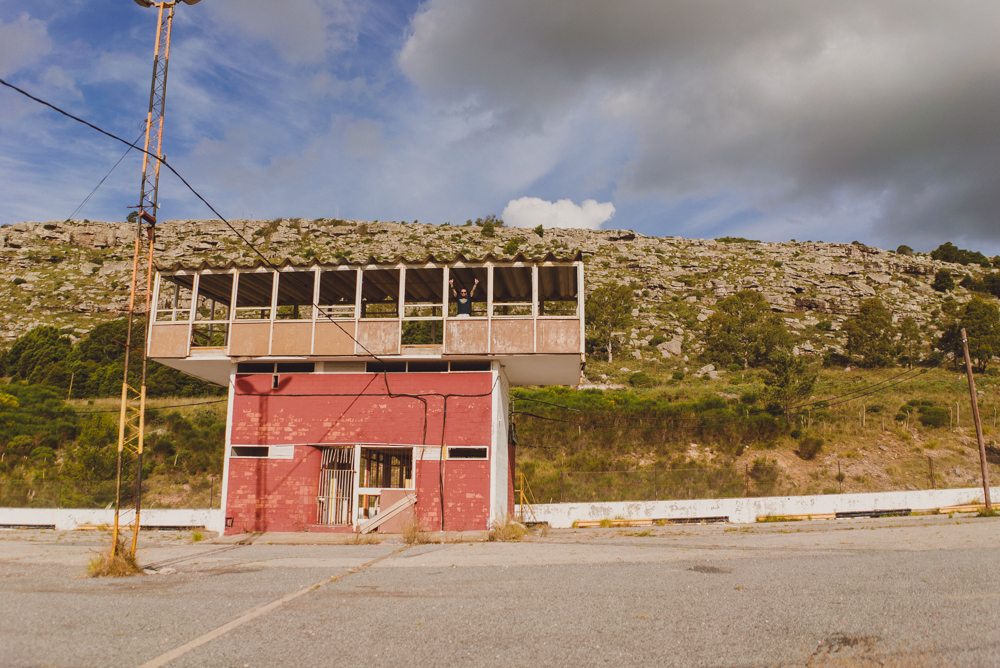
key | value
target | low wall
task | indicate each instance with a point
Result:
(746, 511)
(71, 518)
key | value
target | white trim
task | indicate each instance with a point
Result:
(225, 462)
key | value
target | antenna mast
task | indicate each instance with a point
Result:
(131, 417)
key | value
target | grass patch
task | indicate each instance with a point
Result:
(196, 537)
(119, 566)
(365, 539)
(987, 512)
(414, 532)
(506, 530)
(778, 518)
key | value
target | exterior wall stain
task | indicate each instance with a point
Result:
(348, 409)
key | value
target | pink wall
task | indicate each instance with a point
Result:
(273, 494)
(280, 495)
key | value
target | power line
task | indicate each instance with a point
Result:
(87, 198)
(67, 409)
(846, 397)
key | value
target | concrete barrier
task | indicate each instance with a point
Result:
(746, 511)
(70, 518)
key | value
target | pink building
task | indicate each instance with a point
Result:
(363, 396)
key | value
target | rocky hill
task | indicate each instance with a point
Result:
(75, 274)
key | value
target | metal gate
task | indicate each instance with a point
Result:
(336, 487)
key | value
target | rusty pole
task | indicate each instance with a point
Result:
(975, 417)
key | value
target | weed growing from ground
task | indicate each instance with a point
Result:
(121, 565)
(414, 533)
(504, 530)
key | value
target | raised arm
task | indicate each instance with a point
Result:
(451, 284)
(472, 292)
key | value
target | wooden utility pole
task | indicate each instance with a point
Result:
(975, 417)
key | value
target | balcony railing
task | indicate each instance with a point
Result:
(517, 308)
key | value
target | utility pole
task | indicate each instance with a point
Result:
(131, 414)
(975, 417)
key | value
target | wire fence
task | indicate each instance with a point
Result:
(101, 494)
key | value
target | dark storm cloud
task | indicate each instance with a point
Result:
(882, 113)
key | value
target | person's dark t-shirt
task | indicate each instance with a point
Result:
(464, 305)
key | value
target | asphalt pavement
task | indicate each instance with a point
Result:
(915, 591)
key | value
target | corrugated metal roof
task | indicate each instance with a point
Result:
(371, 261)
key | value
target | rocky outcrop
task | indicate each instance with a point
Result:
(75, 274)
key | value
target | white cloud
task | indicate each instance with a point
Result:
(532, 212)
(301, 31)
(22, 42)
(782, 106)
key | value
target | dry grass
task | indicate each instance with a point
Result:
(365, 539)
(504, 530)
(414, 533)
(121, 565)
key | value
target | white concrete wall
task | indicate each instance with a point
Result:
(746, 511)
(70, 518)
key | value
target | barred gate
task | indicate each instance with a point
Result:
(336, 487)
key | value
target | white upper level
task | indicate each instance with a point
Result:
(526, 313)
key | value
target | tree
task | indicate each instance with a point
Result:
(744, 331)
(948, 252)
(34, 353)
(904, 250)
(909, 338)
(943, 281)
(980, 320)
(788, 380)
(609, 311)
(871, 335)
(950, 342)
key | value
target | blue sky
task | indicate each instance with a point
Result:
(870, 120)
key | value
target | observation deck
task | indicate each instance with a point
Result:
(527, 313)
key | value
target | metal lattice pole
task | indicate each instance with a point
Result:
(133, 399)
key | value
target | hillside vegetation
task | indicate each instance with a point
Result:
(729, 372)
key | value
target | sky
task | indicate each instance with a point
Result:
(869, 120)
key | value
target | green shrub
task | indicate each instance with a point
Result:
(796, 433)
(901, 417)
(641, 379)
(943, 281)
(677, 375)
(510, 248)
(19, 281)
(934, 416)
(809, 447)
(657, 340)
(765, 474)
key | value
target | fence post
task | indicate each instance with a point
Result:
(211, 496)
(930, 470)
(59, 495)
(656, 496)
(747, 466)
(562, 479)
